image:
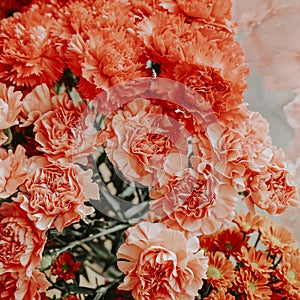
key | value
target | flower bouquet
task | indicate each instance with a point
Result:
(126, 152)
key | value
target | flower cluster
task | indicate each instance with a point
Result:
(118, 103)
(255, 259)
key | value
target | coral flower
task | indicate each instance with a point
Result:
(28, 54)
(13, 170)
(220, 272)
(64, 267)
(67, 134)
(255, 261)
(160, 263)
(10, 106)
(248, 223)
(271, 188)
(21, 243)
(15, 285)
(55, 196)
(278, 239)
(71, 297)
(219, 295)
(255, 287)
(196, 203)
(288, 271)
(146, 145)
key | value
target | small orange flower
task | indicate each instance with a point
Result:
(255, 261)
(230, 241)
(288, 271)
(248, 223)
(278, 239)
(219, 295)
(220, 272)
(255, 287)
(64, 267)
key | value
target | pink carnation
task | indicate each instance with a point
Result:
(55, 196)
(15, 285)
(10, 106)
(67, 134)
(160, 263)
(21, 243)
(13, 170)
(195, 203)
(271, 188)
(145, 144)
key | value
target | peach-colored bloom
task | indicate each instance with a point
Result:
(195, 203)
(28, 50)
(271, 188)
(278, 239)
(146, 145)
(67, 134)
(39, 101)
(17, 285)
(245, 143)
(21, 243)
(10, 106)
(13, 170)
(248, 223)
(160, 263)
(55, 196)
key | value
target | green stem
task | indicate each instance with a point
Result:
(90, 238)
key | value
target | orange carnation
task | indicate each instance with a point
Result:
(28, 54)
(160, 263)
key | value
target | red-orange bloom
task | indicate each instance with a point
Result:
(248, 223)
(230, 241)
(64, 267)
(28, 54)
(71, 297)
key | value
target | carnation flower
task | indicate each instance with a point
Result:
(39, 101)
(160, 263)
(212, 12)
(10, 106)
(146, 145)
(13, 170)
(195, 203)
(55, 196)
(67, 134)
(28, 50)
(271, 188)
(17, 285)
(22, 243)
